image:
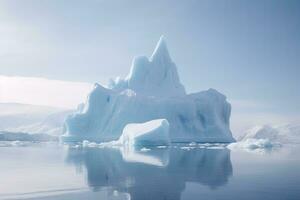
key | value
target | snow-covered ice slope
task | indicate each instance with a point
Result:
(154, 132)
(152, 90)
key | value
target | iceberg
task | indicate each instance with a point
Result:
(152, 90)
(255, 145)
(154, 132)
(280, 134)
(268, 137)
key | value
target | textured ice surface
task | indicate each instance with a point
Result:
(155, 132)
(152, 90)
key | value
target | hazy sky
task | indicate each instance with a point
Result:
(249, 50)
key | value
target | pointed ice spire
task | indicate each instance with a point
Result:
(161, 51)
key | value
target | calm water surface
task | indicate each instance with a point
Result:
(61, 172)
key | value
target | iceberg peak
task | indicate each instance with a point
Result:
(156, 76)
(161, 51)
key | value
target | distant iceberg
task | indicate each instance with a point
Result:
(257, 145)
(267, 137)
(152, 90)
(284, 134)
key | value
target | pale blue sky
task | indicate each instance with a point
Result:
(249, 50)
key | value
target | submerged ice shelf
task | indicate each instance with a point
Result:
(152, 90)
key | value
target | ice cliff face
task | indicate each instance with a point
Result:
(152, 90)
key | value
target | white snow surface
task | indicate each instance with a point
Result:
(152, 90)
(154, 132)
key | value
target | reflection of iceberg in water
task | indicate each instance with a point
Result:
(156, 157)
(155, 174)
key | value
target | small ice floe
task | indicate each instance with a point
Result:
(161, 147)
(216, 147)
(187, 148)
(204, 144)
(16, 143)
(211, 145)
(76, 146)
(86, 143)
(193, 144)
(145, 149)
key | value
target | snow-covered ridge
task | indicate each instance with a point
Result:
(152, 90)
